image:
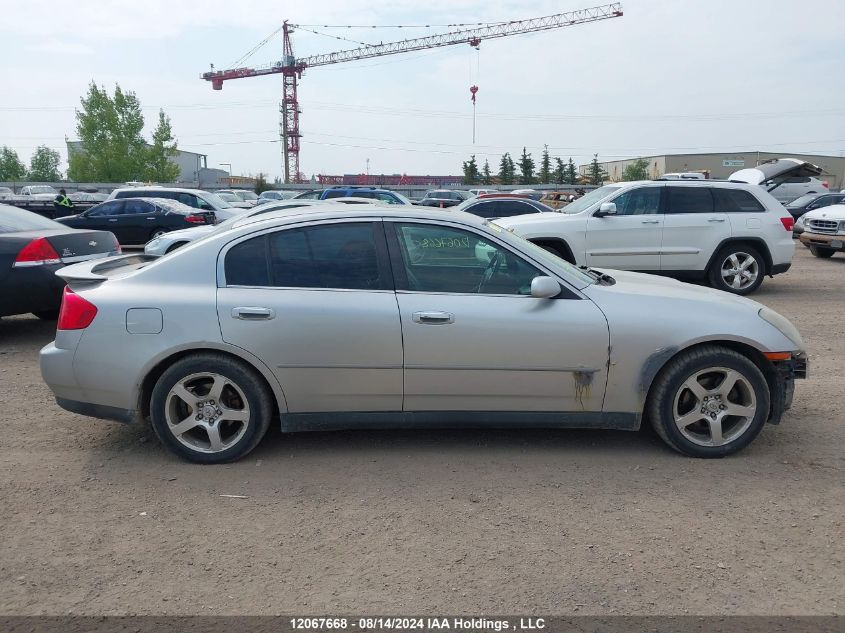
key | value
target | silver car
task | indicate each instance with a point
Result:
(377, 317)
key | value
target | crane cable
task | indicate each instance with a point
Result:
(256, 48)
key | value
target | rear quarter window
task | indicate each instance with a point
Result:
(736, 201)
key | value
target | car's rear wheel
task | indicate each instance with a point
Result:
(210, 408)
(822, 252)
(157, 233)
(738, 269)
(709, 402)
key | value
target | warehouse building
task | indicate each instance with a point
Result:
(721, 165)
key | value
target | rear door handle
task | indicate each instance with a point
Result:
(112, 219)
(716, 220)
(651, 221)
(433, 318)
(253, 313)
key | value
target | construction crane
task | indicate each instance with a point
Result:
(292, 68)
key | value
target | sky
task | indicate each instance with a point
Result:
(667, 77)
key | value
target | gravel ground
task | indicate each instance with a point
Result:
(98, 519)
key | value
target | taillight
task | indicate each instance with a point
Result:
(788, 223)
(196, 219)
(825, 184)
(37, 253)
(76, 313)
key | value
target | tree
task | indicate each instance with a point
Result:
(638, 170)
(560, 171)
(109, 128)
(44, 165)
(571, 177)
(526, 168)
(261, 184)
(486, 178)
(470, 171)
(545, 175)
(506, 169)
(596, 174)
(11, 167)
(159, 167)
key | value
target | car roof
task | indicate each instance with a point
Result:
(158, 188)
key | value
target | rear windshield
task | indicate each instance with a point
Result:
(800, 202)
(13, 220)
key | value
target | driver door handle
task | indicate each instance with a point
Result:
(433, 318)
(716, 220)
(253, 313)
(651, 221)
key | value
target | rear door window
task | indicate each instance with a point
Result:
(736, 201)
(690, 200)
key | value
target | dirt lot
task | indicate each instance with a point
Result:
(97, 518)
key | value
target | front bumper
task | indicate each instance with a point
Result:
(781, 380)
(835, 242)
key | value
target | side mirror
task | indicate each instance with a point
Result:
(606, 208)
(544, 288)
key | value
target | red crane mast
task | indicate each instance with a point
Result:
(291, 68)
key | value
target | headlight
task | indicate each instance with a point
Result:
(153, 243)
(783, 325)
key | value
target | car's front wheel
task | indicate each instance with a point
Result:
(824, 253)
(738, 269)
(709, 402)
(210, 408)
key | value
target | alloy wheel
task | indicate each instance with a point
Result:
(740, 270)
(207, 412)
(714, 406)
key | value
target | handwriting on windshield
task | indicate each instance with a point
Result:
(445, 242)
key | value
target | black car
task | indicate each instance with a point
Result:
(138, 220)
(32, 249)
(810, 201)
(443, 198)
(502, 207)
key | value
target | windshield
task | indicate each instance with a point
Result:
(246, 195)
(13, 219)
(805, 199)
(591, 198)
(42, 189)
(402, 198)
(228, 197)
(217, 201)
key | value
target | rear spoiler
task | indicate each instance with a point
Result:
(98, 271)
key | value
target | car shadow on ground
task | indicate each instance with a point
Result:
(24, 331)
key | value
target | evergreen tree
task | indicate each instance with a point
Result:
(506, 170)
(526, 168)
(470, 171)
(511, 169)
(596, 173)
(486, 178)
(159, 167)
(11, 167)
(545, 175)
(560, 171)
(571, 177)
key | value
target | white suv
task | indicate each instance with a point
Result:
(729, 233)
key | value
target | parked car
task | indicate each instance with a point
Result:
(503, 207)
(371, 193)
(557, 199)
(515, 337)
(87, 196)
(272, 194)
(785, 178)
(528, 193)
(196, 198)
(6, 192)
(811, 201)
(32, 249)
(824, 230)
(138, 220)
(38, 192)
(168, 242)
(476, 192)
(731, 234)
(249, 197)
(443, 198)
(683, 175)
(233, 200)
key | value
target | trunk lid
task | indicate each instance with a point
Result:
(74, 246)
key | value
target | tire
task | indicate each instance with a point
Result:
(222, 433)
(174, 246)
(157, 233)
(675, 410)
(47, 315)
(727, 272)
(822, 252)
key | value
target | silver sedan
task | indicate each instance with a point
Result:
(336, 317)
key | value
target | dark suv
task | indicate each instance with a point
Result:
(381, 195)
